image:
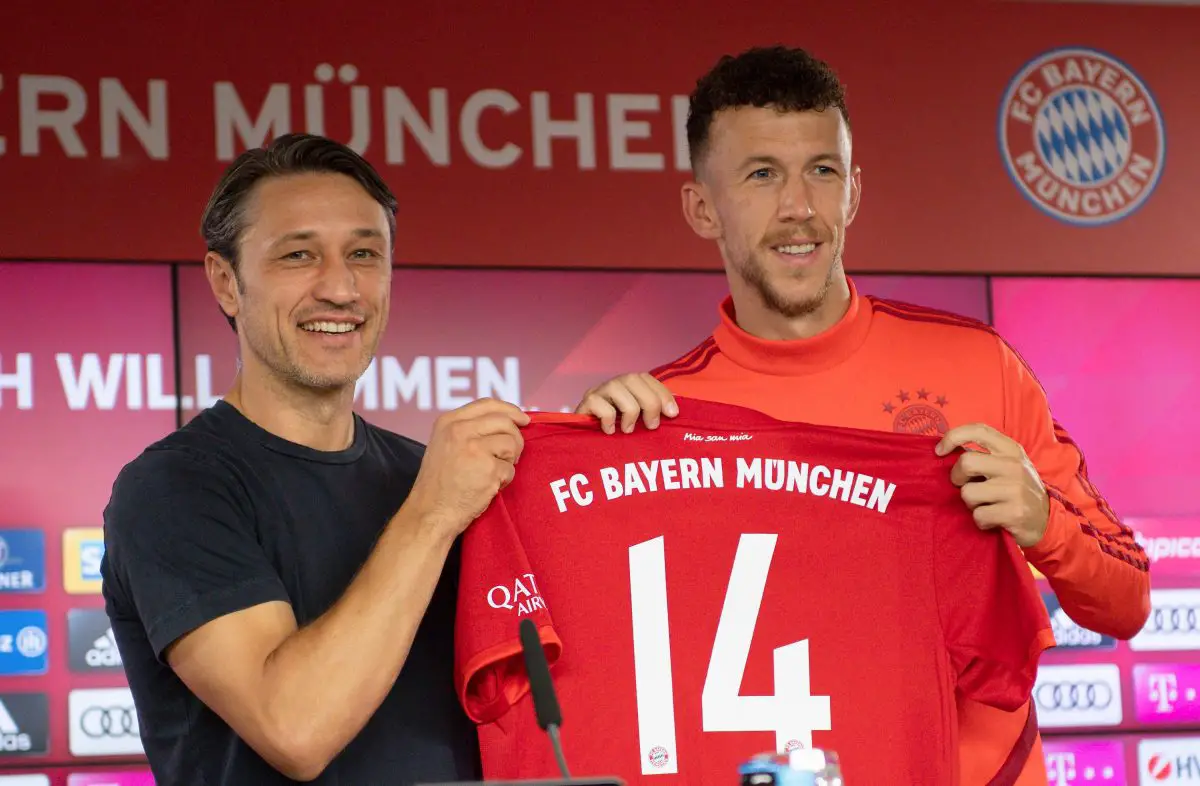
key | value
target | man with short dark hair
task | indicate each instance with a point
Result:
(775, 187)
(281, 575)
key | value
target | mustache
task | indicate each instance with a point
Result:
(806, 235)
(338, 311)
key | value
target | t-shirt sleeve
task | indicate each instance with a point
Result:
(993, 618)
(180, 547)
(497, 589)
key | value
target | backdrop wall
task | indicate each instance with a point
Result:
(1025, 163)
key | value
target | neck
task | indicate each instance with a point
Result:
(321, 420)
(755, 317)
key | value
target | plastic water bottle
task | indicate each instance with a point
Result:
(803, 767)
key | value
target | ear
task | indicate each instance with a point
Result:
(855, 194)
(699, 211)
(223, 281)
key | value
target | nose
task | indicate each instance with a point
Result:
(336, 281)
(795, 201)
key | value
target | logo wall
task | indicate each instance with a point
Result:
(103, 722)
(1082, 136)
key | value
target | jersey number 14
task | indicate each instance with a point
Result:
(793, 713)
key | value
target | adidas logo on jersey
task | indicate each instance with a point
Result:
(12, 739)
(103, 652)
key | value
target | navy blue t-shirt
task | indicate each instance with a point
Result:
(222, 515)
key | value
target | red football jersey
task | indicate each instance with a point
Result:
(730, 584)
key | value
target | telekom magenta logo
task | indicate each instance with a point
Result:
(1084, 763)
(1167, 692)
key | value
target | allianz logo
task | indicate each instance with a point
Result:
(1068, 633)
(103, 653)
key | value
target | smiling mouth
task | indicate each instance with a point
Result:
(332, 328)
(796, 249)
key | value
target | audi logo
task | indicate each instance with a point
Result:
(1173, 619)
(109, 722)
(1073, 695)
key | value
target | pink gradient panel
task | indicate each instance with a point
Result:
(1120, 362)
(91, 407)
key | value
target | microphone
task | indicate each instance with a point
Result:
(545, 702)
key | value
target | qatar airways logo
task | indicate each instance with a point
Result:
(520, 595)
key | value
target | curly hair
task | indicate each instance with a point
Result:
(788, 79)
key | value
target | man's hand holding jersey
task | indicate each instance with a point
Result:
(999, 484)
(471, 455)
(626, 397)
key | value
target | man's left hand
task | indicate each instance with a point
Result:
(1000, 486)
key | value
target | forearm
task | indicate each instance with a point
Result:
(322, 685)
(1100, 583)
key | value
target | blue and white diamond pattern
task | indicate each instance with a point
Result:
(1083, 136)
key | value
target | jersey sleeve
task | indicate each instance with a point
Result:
(994, 622)
(1096, 568)
(180, 547)
(497, 589)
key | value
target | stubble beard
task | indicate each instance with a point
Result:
(754, 272)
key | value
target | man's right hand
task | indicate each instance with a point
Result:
(471, 455)
(626, 397)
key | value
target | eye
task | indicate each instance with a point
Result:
(826, 171)
(761, 174)
(364, 253)
(296, 255)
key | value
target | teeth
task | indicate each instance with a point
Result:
(328, 327)
(803, 248)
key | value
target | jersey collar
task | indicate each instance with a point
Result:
(794, 356)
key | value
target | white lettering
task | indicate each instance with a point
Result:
(469, 129)
(668, 475)
(815, 486)
(493, 384)
(16, 580)
(749, 473)
(204, 385)
(578, 492)
(841, 484)
(633, 482)
(680, 106)
(612, 482)
(156, 398)
(433, 136)
(133, 382)
(861, 484)
(61, 121)
(881, 495)
(448, 384)
(116, 105)
(689, 473)
(651, 473)
(713, 472)
(92, 380)
(581, 129)
(274, 119)
(417, 382)
(621, 129)
(20, 380)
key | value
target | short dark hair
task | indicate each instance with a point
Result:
(224, 218)
(788, 79)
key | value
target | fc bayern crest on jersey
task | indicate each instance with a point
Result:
(1082, 136)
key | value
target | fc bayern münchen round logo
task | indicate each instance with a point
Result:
(1082, 136)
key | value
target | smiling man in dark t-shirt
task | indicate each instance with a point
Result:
(280, 574)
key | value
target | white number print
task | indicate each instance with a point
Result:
(793, 713)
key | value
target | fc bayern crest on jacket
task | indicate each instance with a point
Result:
(1082, 136)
